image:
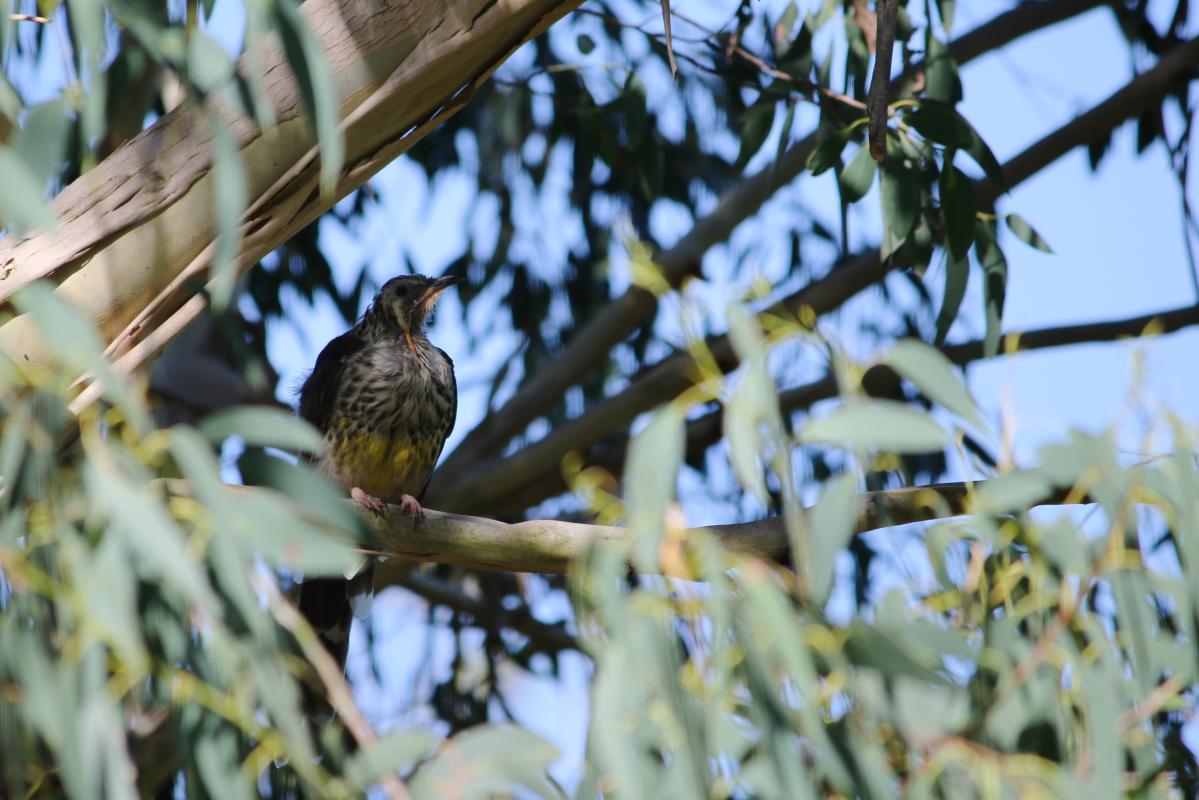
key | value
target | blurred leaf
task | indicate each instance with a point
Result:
(994, 265)
(585, 43)
(317, 92)
(208, 65)
(858, 175)
(42, 142)
(899, 193)
(652, 467)
(945, 8)
(957, 274)
(1025, 233)
(22, 203)
(958, 207)
(876, 424)
(263, 426)
(487, 761)
(755, 127)
(827, 154)
(149, 532)
(832, 522)
(393, 754)
(934, 375)
(229, 197)
(941, 81)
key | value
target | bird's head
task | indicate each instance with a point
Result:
(405, 302)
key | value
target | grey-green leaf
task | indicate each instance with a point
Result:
(876, 424)
(858, 175)
(1027, 234)
(263, 426)
(933, 374)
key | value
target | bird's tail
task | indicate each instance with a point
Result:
(325, 603)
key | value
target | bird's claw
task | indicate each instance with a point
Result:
(410, 505)
(368, 501)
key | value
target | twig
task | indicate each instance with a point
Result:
(880, 82)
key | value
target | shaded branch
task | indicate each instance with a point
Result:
(705, 431)
(618, 319)
(488, 483)
(549, 637)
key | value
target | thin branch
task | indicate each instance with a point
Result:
(491, 481)
(880, 82)
(613, 323)
(705, 431)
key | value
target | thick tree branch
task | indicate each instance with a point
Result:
(488, 483)
(141, 226)
(705, 431)
(550, 546)
(612, 324)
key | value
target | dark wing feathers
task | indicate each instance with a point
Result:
(453, 418)
(319, 392)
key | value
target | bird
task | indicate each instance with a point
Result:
(385, 399)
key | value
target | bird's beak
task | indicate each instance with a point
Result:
(435, 289)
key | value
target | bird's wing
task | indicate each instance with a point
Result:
(453, 418)
(319, 392)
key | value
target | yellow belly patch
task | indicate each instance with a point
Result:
(382, 466)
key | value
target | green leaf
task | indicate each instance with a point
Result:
(940, 123)
(263, 426)
(395, 753)
(1026, 233)
(487, 761)
(229, 197)
(208, 65)
(651, 468)
(42, 142)
(149, 533)
(23, 205)
(957, 275)
(831, 524)
(827, 154)
(899, 193)
(994, 265)
(755, 127)
(934, 375)
(317, 93)
(941, 72)
(858, 175)
(876, 424)
(959, 208)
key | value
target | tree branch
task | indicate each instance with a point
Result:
(705, 431)
(637, 306)
(550, 546)
(488, 483)
(549, 638)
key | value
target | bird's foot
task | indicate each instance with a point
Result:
(410, 505)
(368, 501)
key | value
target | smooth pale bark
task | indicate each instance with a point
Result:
(550, 546)
(132, 230)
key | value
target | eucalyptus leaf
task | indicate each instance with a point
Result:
(858, 176)
(934, 375)
(878, 425)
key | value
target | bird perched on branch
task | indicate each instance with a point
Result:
(385, 400)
